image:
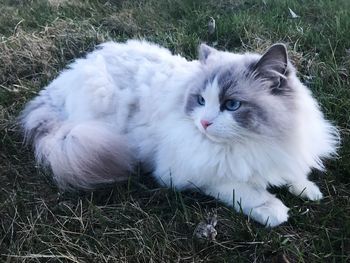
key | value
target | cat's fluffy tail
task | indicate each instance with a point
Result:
(80, 155)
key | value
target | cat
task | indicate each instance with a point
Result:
(229, 124)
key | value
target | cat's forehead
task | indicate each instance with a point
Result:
(227, 80)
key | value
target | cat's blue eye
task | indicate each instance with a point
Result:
(201, 100)
(232, 105)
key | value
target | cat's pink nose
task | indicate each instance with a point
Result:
(205, 124)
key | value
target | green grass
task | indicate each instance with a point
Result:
(138, 221)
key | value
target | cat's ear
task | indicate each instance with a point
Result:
(273, 66)
(274, 61)
(204, 52)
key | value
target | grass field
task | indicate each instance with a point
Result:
(138, 221)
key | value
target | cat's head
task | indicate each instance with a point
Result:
(238, 96)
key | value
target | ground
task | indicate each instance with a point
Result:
(138, 221)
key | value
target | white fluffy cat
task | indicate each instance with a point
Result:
(229, 124)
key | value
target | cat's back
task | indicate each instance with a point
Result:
(137, 62)
(133, 50)
(121, 63)
(112, 77)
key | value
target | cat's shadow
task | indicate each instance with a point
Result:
(144, 190)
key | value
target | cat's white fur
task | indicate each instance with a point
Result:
(124, 103)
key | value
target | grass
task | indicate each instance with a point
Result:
(138, 221)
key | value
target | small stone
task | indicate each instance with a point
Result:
(211, 26)
(206, 228)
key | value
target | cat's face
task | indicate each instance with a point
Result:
(240, 96)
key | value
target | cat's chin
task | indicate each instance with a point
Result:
(212, 138)
(216, 139)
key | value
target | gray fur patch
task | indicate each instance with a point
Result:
(37, 119)
(191, 102)
(250, 116)
(133, 109)
(198, 86)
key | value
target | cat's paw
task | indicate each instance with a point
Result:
(307, 190)
(313, 193)
(272, 213)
